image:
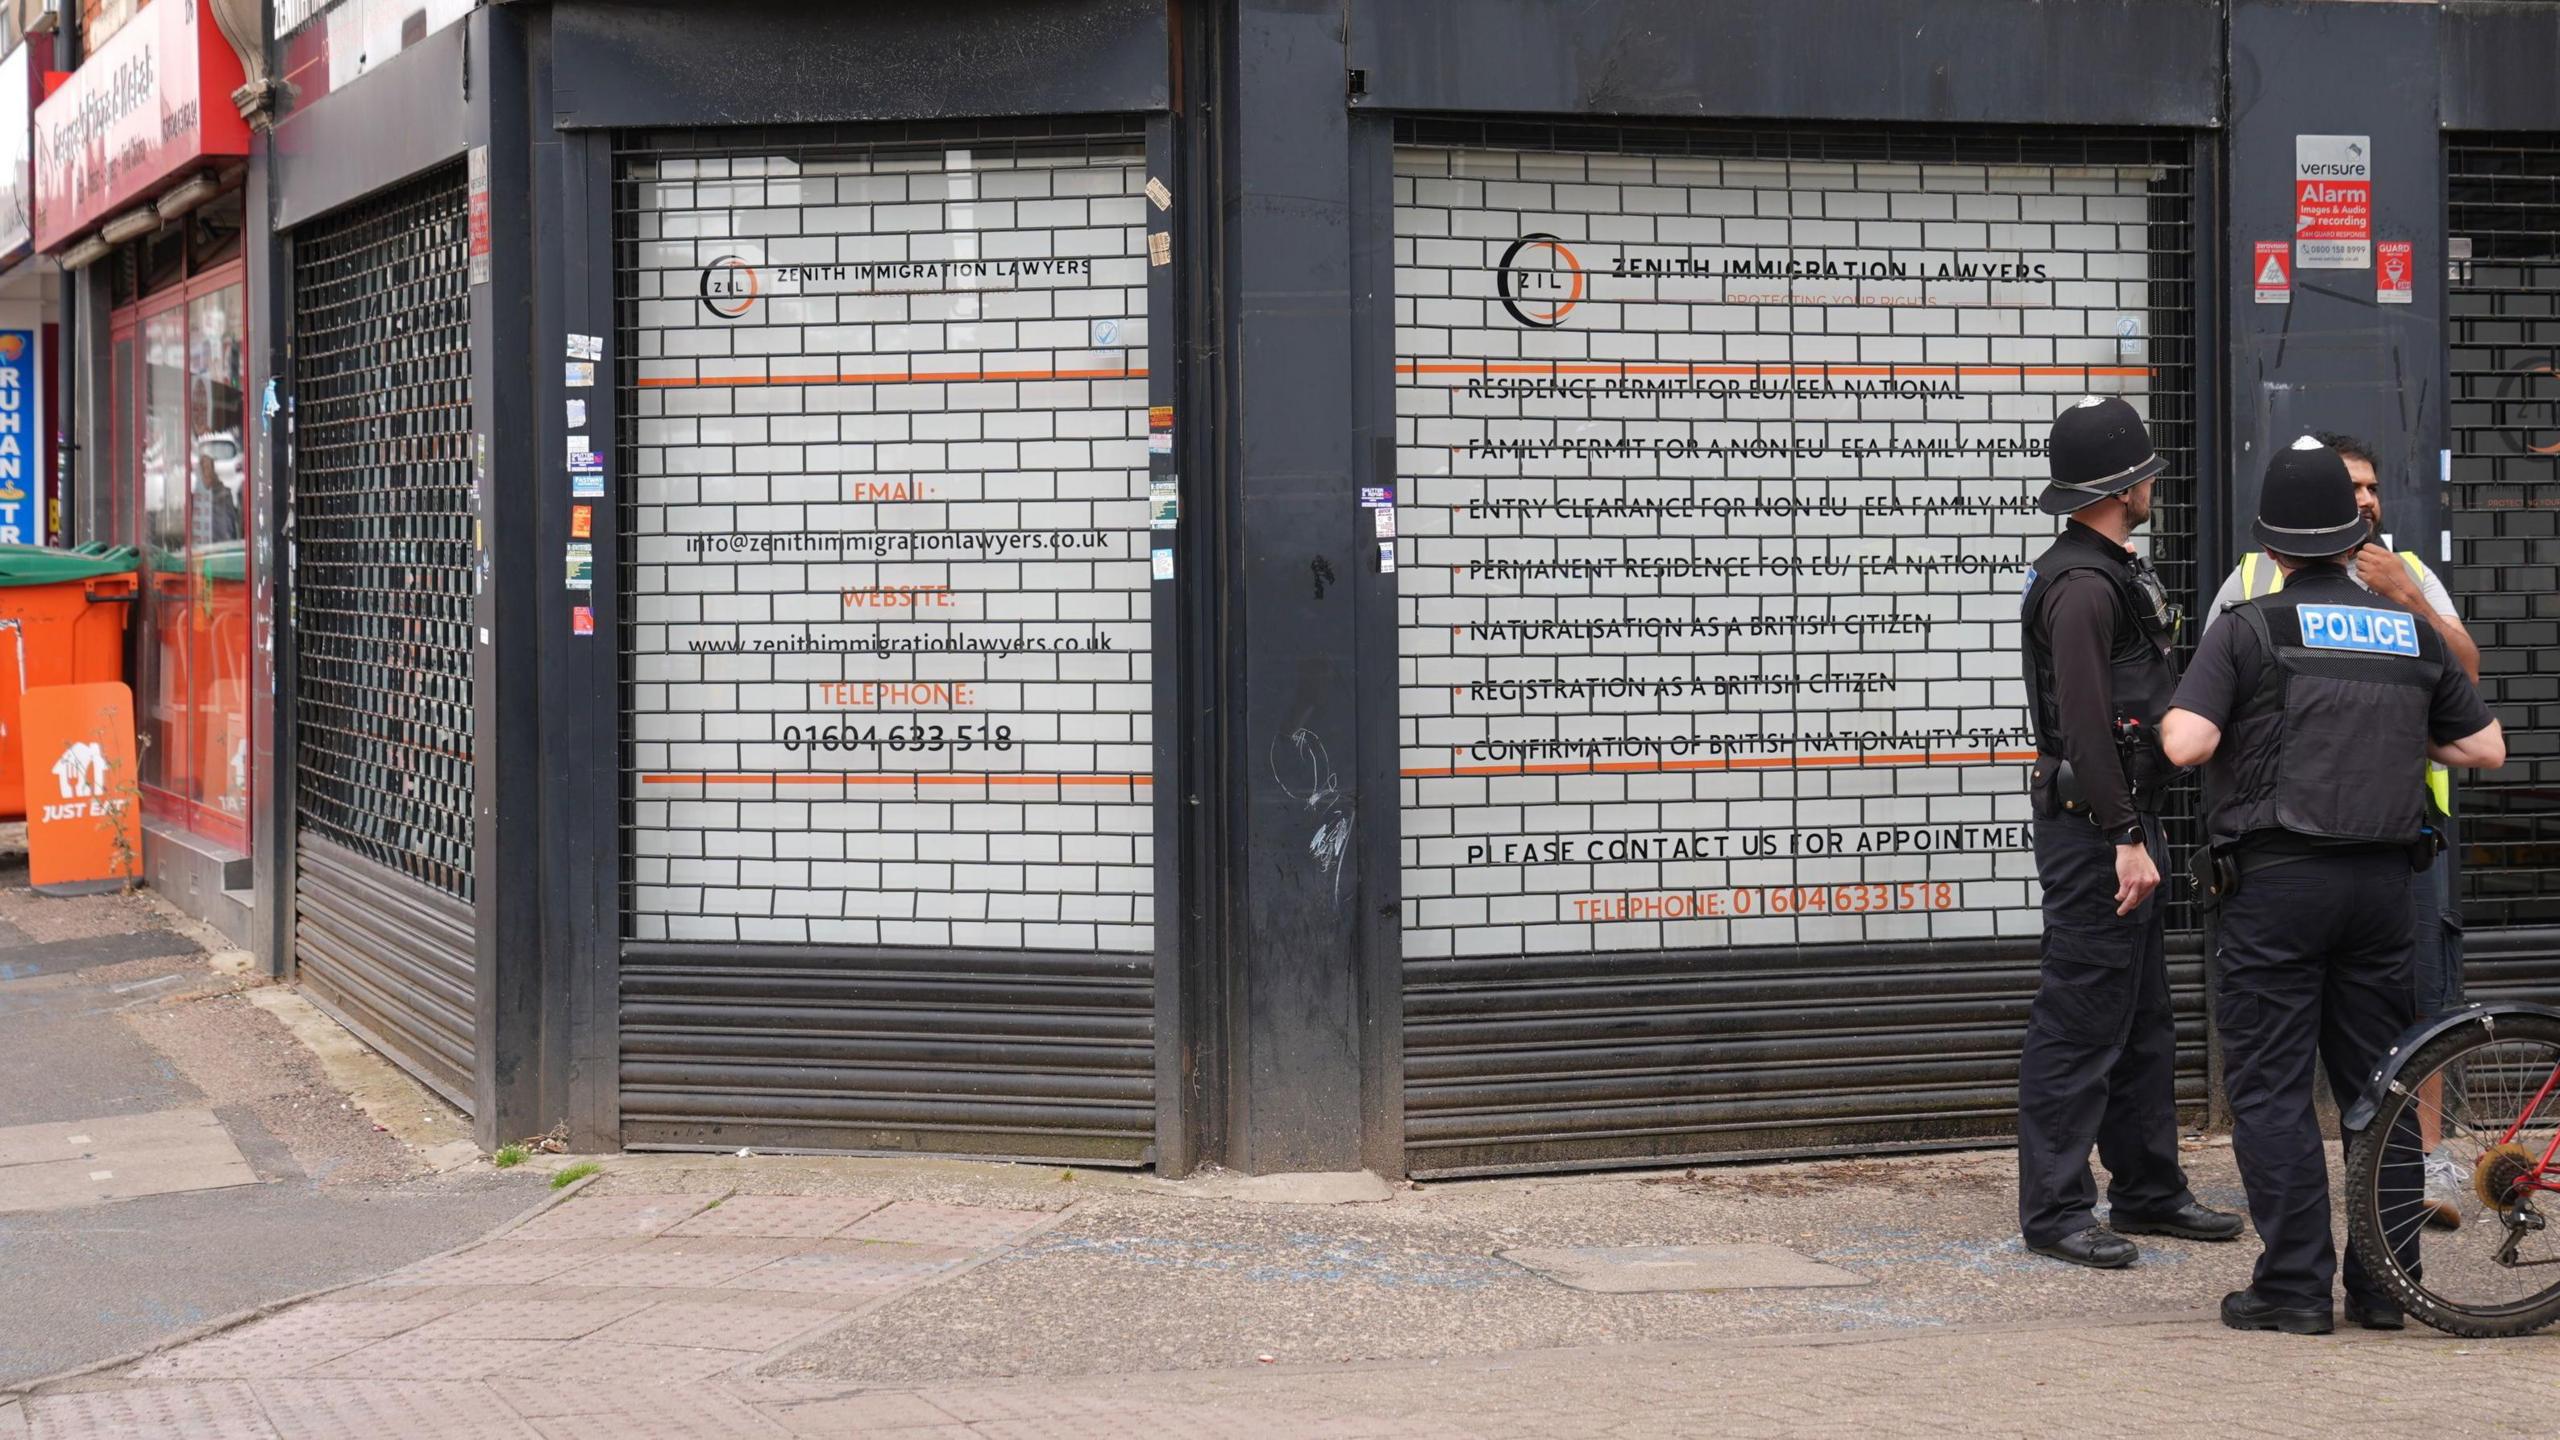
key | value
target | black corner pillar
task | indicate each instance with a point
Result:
(516, 1085)
(1310, 1027)
(2337, 346)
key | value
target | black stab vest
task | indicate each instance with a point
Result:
(2332, 744)
(2139, 672)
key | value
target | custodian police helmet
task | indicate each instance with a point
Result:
(2307, 507)
(2099, 449)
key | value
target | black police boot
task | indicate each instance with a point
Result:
(2376, 1314)
(2092, 1247)
(2190, 1221)
(2243, 1310)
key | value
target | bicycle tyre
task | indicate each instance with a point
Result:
(2364, 1216)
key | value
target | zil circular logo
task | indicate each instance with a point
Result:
(1539, 280)
(729, 287)
(12, 346)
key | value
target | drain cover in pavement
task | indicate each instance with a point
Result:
(1642, 1269)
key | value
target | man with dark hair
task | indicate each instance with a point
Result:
(2435, 919)
(2100, 1060)
(2315, 711)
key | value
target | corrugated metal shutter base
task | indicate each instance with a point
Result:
(1028, 1055)
(390, 959)
(1570, 1062)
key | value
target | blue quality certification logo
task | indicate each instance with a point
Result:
(17, 437)
(2353, 627)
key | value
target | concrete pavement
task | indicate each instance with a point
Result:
(171, 1153)
(679, 1297)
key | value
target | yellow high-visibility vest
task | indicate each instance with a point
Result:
(2439, 779)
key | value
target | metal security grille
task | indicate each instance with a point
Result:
(1719, 449)
(2503, 193)
(381, 547)
(881, 482)
(382, 531)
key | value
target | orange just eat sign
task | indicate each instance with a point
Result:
(84, 808)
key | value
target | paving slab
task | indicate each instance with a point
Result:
(849, 1267)
(592, 1410)
(225, 1410)
(692, 1260)
(616, 1364)
(1659, 1269)
(779, 1217)
(413, 1356)
(744, 1327)
(532, 1319)
(56, 1164)
(967, 1226)
(607, 1217)
(393, 1410)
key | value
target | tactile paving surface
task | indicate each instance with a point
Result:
(500, 1262)
(222, 1411)
(609, 1217)
(677, 1260)
(612, 1364)
(971, 1227)
(532, 1319)
(846, 1267)
(747, 1327)
(416, 1356)
(377, 1410)
(781, 1217)
(286, 1344)
(586, 1410)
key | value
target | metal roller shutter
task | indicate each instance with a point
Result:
(381, 624)
(882, 399)
(2503, 194)
(1718, 448)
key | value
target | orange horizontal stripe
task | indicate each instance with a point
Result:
(1743, 762)
(1566, 367)
(922, 377)
(945, 778)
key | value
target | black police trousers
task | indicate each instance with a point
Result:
(2100, 1065)
(2314, 956)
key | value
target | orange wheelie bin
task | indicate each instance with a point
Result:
(62, 620)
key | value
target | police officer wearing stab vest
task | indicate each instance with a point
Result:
(2100, 1061)
(2315, 711)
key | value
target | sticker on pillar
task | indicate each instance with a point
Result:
(1164, 502)
(1386, 557)
(2274, 269)
(582, 620)
(2395, 272)
(1386, 519)
(581, 374)
(586, 347)
(1373, 496)
(586, 462)
(1159, 248)
(1163, 557)
(582, 565)
(267, 408)
(582, 522)
(587, 486)
(1156, 192)
(2333, 201)
(477, 211)
(577, 412)
(1159, 429)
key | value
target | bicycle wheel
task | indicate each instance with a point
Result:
(2489, 1091)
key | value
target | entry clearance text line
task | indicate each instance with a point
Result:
(1737, 762)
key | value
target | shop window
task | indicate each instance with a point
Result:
(181, 467)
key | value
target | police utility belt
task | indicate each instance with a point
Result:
(2219, 870)
(2056, 789)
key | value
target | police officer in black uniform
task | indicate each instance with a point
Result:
(2314, 711)
(2101, 1052)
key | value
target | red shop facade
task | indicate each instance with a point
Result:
(140, 168)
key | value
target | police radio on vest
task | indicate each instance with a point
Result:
(2354, 627)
